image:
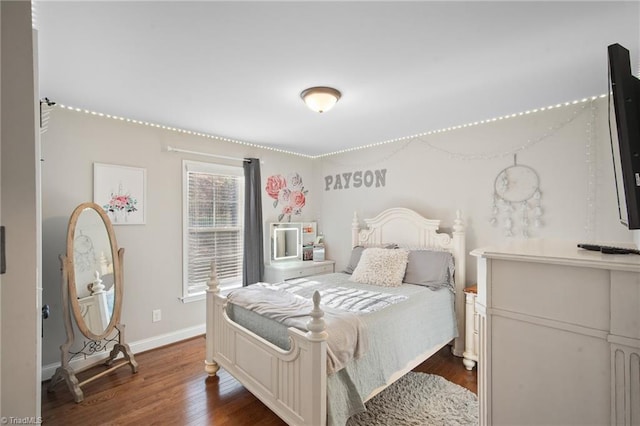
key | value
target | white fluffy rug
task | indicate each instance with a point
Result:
(420, 399)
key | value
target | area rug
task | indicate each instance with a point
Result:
(420, 399)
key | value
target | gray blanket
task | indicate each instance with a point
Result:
(347, 333)
(356, 300)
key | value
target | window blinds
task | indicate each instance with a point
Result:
(214, 226)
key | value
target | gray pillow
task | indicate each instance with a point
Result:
(430, 268)
(356, 253)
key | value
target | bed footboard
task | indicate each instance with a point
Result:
(291, 383)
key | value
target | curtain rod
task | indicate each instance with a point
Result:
(206, 154)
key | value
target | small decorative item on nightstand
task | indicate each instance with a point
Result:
(471, 341)
(318, 252)
(307, 252)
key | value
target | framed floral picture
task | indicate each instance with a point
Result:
(120, 190)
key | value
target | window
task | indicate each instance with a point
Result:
(212, 226)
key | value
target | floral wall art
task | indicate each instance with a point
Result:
(119, 190)
(289, 194)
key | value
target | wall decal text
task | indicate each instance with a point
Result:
(357, 179)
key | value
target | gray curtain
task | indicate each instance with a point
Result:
(253, 260)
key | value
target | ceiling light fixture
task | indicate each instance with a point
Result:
(320, 99)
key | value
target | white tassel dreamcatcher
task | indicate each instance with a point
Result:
(516, 195)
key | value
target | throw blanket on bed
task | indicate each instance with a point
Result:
(347, 335)
(349, 299)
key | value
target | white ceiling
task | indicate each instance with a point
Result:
(236, 69)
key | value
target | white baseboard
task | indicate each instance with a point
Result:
(136, 347)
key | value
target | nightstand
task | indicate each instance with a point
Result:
(471, 328)
(276, 272)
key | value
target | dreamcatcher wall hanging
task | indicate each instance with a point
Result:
(516, 199)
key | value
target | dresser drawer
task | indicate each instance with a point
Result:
(290, 270)
(570, 294)
(319, 269)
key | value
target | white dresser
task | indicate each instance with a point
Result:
(559, 332)
(276, 272)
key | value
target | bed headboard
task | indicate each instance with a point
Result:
(407, 228)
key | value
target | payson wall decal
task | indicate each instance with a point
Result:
(357, 179)
(288, 193)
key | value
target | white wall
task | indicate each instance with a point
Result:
(556, 143)
(20, 287)
(153, 252)
(426, 175)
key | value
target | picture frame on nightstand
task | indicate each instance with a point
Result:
(307, 252)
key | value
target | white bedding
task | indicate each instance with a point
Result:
(348, 337)
(349, 298)
(419, 318)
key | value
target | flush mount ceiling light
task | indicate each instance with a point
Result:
(320, 99)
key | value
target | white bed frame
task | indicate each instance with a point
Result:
(293, 383)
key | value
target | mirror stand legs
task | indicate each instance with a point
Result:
(126, 353)
(122, 347)
(67, 374)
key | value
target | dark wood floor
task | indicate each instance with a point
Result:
(171, 388)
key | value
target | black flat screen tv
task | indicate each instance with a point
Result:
(626, 153)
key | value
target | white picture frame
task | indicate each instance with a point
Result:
(120, 191)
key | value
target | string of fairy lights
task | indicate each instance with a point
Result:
(425, 138)
(422, 137)
(552, 130)
(179, 130)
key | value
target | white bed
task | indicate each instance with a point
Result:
(293, 382)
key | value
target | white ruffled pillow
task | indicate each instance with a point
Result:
(356, 252)
(383, 267)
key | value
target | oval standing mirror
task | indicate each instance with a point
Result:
(95, 282)
(92, 283)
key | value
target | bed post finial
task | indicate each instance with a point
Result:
(457, 223)
(355, 229)
(213, 279)
(316, 324)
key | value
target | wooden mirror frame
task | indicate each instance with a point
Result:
(117, 272)
(66, 372)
